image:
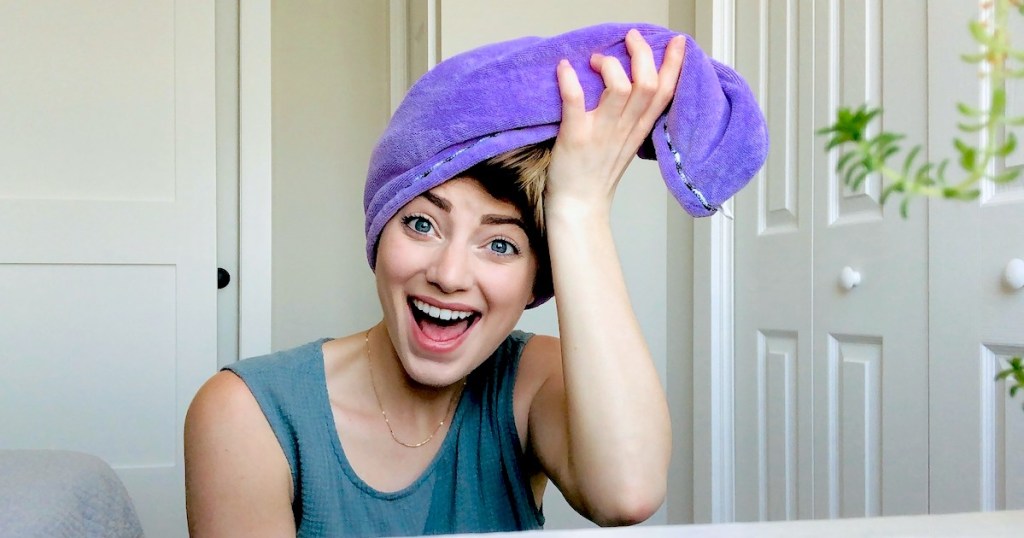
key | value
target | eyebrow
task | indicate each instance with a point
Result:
(503, 219)
(443, 204)
(489, 219)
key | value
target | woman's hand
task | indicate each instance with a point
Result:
(594, 148)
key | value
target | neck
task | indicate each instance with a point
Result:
(400, 395)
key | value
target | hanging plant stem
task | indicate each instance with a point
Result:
(863, 155)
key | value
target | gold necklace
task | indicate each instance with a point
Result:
(451, 404)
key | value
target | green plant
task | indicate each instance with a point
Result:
(1016, 371)
(865, 154)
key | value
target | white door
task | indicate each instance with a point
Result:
(107, 234)
(977, 320)
(774, 270)
(831, 383)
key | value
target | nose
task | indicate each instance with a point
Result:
(450, 270)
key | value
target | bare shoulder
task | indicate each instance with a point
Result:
(223, 395)
(237, 480)
(224, 410)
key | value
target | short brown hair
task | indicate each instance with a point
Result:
(518, 177)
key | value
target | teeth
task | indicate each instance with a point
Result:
(440, 313)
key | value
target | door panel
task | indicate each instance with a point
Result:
(977, 321)
(107, 234)
(871, 347)
(831, 412)
(773, 269)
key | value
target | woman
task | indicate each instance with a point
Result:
(441, 418)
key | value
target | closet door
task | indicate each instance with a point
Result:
(870, 273)
(773, 268)
(831, 288)
(976, 316)
(107, 234)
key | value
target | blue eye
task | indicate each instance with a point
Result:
(418, 224)
(503, 247)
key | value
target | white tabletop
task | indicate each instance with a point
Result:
(981, 524)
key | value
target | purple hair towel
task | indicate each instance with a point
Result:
(473, 106)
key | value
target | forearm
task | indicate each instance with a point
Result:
(619, 437)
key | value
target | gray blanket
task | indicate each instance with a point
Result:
(56, 493)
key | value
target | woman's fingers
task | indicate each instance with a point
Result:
(573, 103)
(617, 87)
(645, 76)
(639, 102)
(599, 144)
(671, 66)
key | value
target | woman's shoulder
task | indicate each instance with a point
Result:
(305, 356)
(224, 394)
(226, 437)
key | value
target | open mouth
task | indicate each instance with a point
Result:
(440, 324)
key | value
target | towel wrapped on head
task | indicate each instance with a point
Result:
(709, 142)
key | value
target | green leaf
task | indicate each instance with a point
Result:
(1007, 175)
(844, 160)
(979, 32)
(969, 111)
(832, 143)
(1004, 374)
(908, 162)
(998, 106)
(904, 208)
(972, 58)
(922, 177)
(897, 186)
(826, 130)
(940, 172)
(848, 176)
(968, 195)
(1008, 145)
(859, 178)
(970, 127)
(1013, 390)
(967, 154)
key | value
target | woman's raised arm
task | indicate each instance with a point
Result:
(599, 425)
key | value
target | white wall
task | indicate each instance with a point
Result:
(330, 104)
(679, 316)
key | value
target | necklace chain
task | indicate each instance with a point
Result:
(451, 404)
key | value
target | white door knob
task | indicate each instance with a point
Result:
(1014, 274)
(848, 278)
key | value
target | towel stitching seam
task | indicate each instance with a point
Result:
(450, 157)
(682, 175)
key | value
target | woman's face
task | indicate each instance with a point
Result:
(454, 273)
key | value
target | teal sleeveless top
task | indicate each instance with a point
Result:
(475, 483)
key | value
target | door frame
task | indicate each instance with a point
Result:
(713, 317)
(255, 173)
